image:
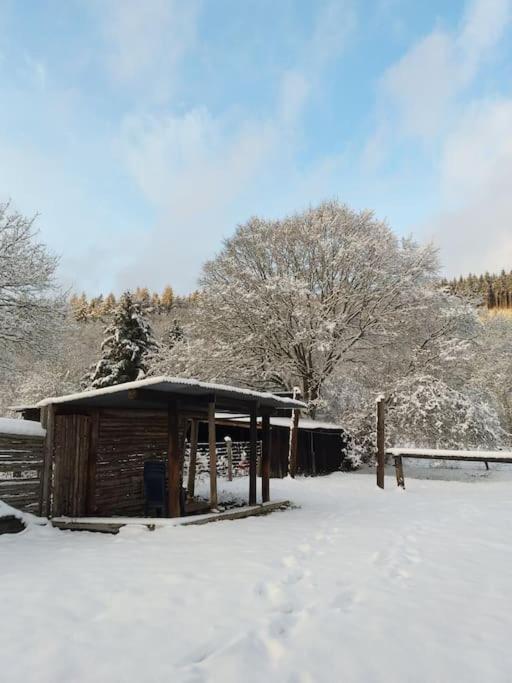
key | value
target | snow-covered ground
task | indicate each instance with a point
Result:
(357, 585)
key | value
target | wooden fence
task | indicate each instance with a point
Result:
(239, 456)
(21, 466)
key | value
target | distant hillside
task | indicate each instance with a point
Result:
(493, 291)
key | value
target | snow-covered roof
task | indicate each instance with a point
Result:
(13, 426)
(305, 423)
(118, 395)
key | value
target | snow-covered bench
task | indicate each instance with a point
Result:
(436, 454)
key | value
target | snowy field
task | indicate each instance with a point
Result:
(356, 585)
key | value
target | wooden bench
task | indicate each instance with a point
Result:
(432, 454)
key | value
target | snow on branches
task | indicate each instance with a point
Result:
(426, 412)
(127, 342)
(286, 301)
(30, 306)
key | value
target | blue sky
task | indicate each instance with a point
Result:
(143, 133)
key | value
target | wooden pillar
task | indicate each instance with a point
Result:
(380, 442)
(265, 458)
(173, 461)
(212, 451)
(48, 422)
(90, 497)
(253, 453)
(192, 464)
(229, 453)
(399, 469)
(294, 441)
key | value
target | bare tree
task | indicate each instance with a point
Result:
(29, 297)
(287, 300)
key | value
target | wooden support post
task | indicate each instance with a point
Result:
(212, 450)
(192, 463)
(380, 442)
(90, 498)
(253, 454)
(294, 442)
(173, 461)
(48, 420)
(229, 453)
(399, 469)
(265, 458)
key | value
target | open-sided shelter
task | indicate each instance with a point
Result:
(97, 442)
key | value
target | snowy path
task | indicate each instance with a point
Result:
(357, 585)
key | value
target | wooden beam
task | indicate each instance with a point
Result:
(192, 464)
(48, 418)
(294, 443)
(173, 461)
(212, 451)
(381, 407)
(253, 454)
(265, 458)
(91, 463)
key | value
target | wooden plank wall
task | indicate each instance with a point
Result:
(125, 442)
(21, 465)
(72, 438)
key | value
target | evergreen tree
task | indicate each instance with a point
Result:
(167, 298)
(173, 335)
(128, 339)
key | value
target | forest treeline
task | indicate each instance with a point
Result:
(85, 308)
(490, 290)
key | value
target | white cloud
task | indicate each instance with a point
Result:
(192, 168)
(424, 85)
(147, 39)
(427, 97)
(474, 229)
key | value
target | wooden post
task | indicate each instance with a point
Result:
(48, 420)
(294, 442)
(229, 453)
(253, 454)
(399, 469)
(380, 442)
(265, 458)
(90, 497)
(212, 450)
(192, 464)
(173, 461)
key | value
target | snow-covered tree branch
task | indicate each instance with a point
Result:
(30, 306)
(286, 301)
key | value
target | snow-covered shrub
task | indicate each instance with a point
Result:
(425, 412)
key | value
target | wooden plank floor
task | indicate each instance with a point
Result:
(111, 525)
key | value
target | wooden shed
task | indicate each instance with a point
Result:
(98, 441)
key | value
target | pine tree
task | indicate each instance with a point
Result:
(167, 298)
(81, 308)
(109, 304)
(173, 335)
(128, 339)
(156, 304)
